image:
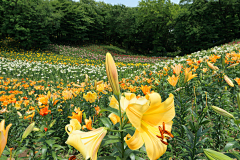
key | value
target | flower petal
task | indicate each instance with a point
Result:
(92, 141)
(75, 124)
(114, 118)
(154, 147)
(2, 126)
(125, 101)
(130, 96)
(159, 112)
(2, 142)
(135, 141)
(74, 140)
(135, 112)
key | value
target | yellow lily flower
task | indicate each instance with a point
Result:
(173, 80)
(189, 75)
(3, 135)
(73, 126)
(125, 101)
(87, 143)
(114, 118)
(177, 68)
(152, 119)
(90, 97)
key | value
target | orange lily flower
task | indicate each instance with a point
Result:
(88, 124)
(44, 111)
(77, 116)
(237, 80)
(145, 89)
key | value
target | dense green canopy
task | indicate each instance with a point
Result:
(154, 27)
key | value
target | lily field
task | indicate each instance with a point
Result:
(73, 103)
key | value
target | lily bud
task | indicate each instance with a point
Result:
(205, 109)
(228, 80)
(222, 112)
(238, 100)
(210, 65)
(233, 65)
(95, 84)
(28, 130)
(84, 115)
(49, 95)
(36, 129)
(19, 114)
(51, 124)
(112, 74)
(212, 155)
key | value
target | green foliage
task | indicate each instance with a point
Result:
(29, 22)
(204, 24)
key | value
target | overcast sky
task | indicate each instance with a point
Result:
(129, 3)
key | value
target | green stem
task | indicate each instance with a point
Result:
(121, 126)
(111, 130)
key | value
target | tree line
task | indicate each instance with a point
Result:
(153, 27)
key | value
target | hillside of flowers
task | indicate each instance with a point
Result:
(86, 104)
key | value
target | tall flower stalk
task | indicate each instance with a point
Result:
(113, 79)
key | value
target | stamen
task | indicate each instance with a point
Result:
(162, 132)
(164, 142)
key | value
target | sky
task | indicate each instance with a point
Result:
(128, 3)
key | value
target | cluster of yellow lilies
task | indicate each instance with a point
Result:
(151, 118)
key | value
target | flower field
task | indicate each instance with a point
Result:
(75, 105)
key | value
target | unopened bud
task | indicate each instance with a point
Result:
(233, 65)
(36, 129)
(112, 74)
(51, 124)
(19, 114)
(213, 155)
(205, 109)
(28, 130)
(84, 115)
(95, 84)
(228, 80)
(222, 112)
(49, 95)
(210, 65)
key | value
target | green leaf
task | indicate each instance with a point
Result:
(106, 158)
(229, 145)
(106, 142)
(57, 146)
(106, 122)
(112, 110)
(189, 134)
(214, 155)
(127, 153)
(132, 156)
(44, 151)
(50, 142)
(54, 155)
(139, 158)
(118, 158)
(21, 150)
